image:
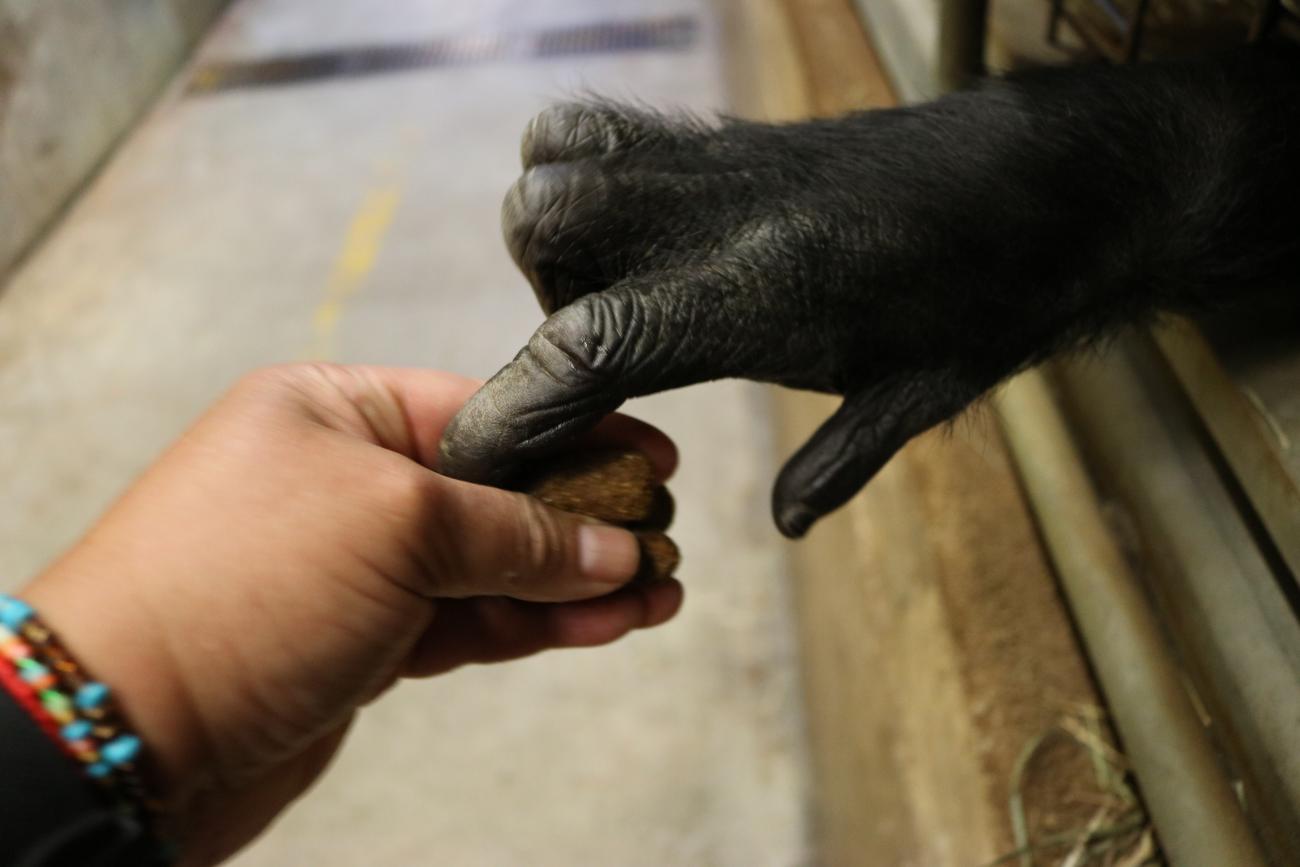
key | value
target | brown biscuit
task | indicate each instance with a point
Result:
(659, 556)
(616, 486)
(662, 510)
(613, 485)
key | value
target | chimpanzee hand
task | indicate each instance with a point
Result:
(907, 259)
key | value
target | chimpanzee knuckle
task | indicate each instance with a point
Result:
(538, 193)
(586, 342)
(549, 135)
(546, 135)
(784, 239)
(556, 134)
(572, 131)
(548, 212)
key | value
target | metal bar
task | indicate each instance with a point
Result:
(1133, 34)
(1111, 11)
(1194, 809)
(1265, 20)
(962, 25)
(1054, 22)
(1122, 46)
(1094, 37)
(1259, 453)
(1217, 592)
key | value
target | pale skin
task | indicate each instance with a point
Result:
(293, 555)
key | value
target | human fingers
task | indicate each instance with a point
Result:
(496, 629)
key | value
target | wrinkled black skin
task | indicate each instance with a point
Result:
(908, 259)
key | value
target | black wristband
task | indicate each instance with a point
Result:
(50, 814)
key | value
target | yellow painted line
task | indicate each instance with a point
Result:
(361, 245)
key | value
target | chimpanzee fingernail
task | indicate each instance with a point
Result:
(795, 519)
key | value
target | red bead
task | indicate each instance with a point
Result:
(84, 750)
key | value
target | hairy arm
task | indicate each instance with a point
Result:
(908, 259)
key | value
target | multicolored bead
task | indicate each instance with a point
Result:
(16, 649)
(53, 701)
(92, 695)
(121, 750)
(84, 750)
(14, 612)
(76, 731)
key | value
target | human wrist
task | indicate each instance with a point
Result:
(117, 638)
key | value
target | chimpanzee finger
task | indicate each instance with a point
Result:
(850, 447)
(579, 227)
(643, 336)
(581, 130)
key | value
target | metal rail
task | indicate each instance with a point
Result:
(1199, 554)
(1187, 789)
(962, 28)
(1194, 809)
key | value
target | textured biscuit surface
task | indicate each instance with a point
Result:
(615, 485)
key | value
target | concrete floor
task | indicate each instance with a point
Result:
(356, 219)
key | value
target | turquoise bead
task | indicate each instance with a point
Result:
(99, 770)
(31, 670)
(92, 695)
(120, 750)
(14, 612)
(76, 731)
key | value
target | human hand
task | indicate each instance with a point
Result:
(292, 555)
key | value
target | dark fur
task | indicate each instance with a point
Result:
(908, 259)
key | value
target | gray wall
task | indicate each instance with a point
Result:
(74, 76)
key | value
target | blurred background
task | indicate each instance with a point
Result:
(228, 185)
(193, 188)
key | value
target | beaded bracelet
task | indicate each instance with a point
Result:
(77, 711)
(26, 696)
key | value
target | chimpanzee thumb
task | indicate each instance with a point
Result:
(851, 446)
